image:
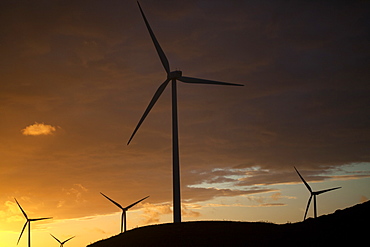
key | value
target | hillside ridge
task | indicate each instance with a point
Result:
(344, 227)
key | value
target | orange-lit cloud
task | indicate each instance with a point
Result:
(10, 212)
(270, 200)
(364, 199)
(152, 213)
(37, 129)
(187, 210)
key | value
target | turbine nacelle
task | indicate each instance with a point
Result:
(173, 75)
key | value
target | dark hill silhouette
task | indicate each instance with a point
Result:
(343, 228)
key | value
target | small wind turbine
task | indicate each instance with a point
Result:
(61, 243)
(172, 76)
(123, 217)
(28, 222)
(313, 194)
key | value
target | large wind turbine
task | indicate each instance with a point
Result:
(61, 243)
(28, 222)
(172, 76)
(123, 217)
(313, 194)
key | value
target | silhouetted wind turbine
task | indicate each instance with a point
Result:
(313, 194)
(172, 76)
(123, 217)
(61, 243)
(28, 222)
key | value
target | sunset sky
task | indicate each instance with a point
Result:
(76, 76)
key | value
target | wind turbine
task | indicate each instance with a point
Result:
(61, 243)
(313, 194)
(123, 217)
(28, 222)
(172, 76)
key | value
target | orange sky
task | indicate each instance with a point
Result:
(75, 78)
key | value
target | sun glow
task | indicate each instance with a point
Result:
(8, 238)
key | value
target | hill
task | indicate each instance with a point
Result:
(343, 228)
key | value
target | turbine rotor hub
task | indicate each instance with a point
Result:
(174, 75)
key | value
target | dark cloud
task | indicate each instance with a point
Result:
(204, 194)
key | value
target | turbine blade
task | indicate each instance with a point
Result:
(115, 203)
(160, 52)
(323, 191)
(130, 206)
(308, 206)
(27, 222)
(40, 219)
(67, 240)
(304, 181)
(150, 106)
(56, 238)
(24, 213)
(204, 81)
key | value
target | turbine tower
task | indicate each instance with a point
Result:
(172, 76)
(28, 222)
(123, 217)
(313, 194)
(61, 243)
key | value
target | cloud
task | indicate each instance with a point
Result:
(152, 213)
(276, 196)
(186, 210)
(194, 194)
(213, 205)
(269, 201)
(364, 199)
(99, 230)
(75, 192)
(8, 212)
(37, 129)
